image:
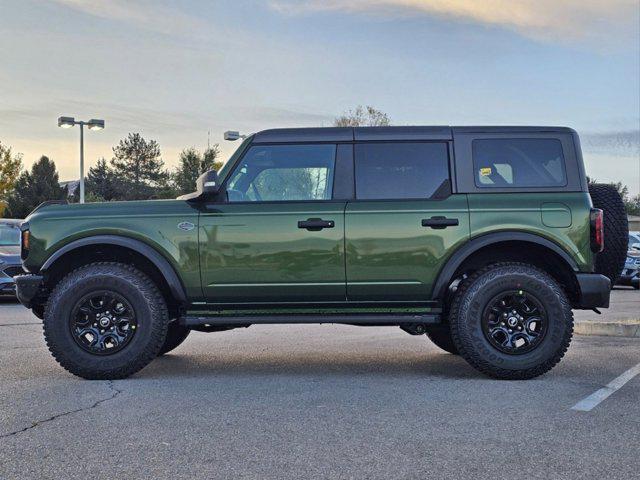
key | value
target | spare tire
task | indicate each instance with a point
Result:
(610, 261)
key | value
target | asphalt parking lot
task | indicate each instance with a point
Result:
(317, 401)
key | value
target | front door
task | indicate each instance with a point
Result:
(280, 237)
(403, 223)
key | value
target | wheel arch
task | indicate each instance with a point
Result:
(509, 246)
(116, 247)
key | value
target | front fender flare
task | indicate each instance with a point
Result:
(162, 264)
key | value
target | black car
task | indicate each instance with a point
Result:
(10, 264)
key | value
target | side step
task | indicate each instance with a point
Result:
(367, 319)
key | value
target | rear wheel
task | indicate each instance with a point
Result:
(610, 261)
(105, 321)
(511, 321)
(442, 338)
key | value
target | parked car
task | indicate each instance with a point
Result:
(10, 263)
(484, 238)
(631, 273)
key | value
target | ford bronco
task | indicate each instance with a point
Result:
(482, 238)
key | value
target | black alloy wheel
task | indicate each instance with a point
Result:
(103, 322)
(514, 322)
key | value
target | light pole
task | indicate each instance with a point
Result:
(93, 124)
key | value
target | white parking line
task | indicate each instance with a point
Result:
(588, 403)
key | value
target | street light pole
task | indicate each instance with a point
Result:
(93, 124)
(81, 162)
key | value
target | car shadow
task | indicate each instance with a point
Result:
(308, 364)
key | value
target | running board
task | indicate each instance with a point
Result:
(381, 319)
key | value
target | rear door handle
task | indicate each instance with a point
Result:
(439, 223)
(316, 224)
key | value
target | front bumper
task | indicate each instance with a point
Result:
(595, 290)
(27, 288)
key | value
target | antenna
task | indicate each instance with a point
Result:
(208, 139)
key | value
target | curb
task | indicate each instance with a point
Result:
(620, 328)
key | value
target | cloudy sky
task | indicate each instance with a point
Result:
(175, 70)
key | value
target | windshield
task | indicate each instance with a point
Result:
(633, 239)
(9, 235)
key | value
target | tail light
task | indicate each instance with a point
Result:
(597, 230)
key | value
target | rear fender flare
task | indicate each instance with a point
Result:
(459, 256)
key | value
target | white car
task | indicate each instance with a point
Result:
(631, 272)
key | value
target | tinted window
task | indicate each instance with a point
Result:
(401, 170)
(518, 162)
(283, 173)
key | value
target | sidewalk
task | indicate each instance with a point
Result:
(621, 319)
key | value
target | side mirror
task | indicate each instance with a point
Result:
(208, 184)
(207, 187)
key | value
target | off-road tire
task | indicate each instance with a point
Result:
(442, 339)
(176, 334)
(467, 308)
(143, 295)
(610, 262)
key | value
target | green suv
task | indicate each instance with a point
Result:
(482, 238)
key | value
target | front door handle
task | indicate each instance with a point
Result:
(316, 224)
(439, 222)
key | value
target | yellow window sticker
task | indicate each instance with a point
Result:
(485, 171)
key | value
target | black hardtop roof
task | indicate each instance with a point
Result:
(350, 134)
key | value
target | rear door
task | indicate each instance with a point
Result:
(404, 221)
(280, 236)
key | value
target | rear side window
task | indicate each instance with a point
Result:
(401, 170)
(518, 162)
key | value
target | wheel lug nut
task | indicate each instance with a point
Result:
(502, 323)
(504, 314)
(510, 331)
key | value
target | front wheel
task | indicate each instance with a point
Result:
(176, 334)
(105, 321)
(511, 321)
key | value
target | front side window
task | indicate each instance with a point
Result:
(272, 173)
(518, 162)
(402, 170)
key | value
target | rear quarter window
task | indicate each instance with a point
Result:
(518, 162)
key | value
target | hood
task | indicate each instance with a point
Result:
(10, 250)
(10, 255)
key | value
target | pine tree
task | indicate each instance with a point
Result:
(138, 167)
(34, 187)
(192, 165)
(101, 182)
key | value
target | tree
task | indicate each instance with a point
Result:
(10, 167)
(192, 165)
(363, 117)
(101, 182)
(138, 167)
(34, 187)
